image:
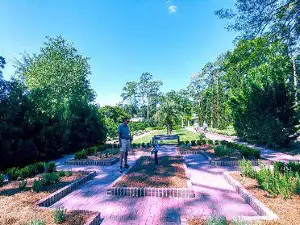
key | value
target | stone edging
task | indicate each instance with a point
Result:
(263, 211)
(148, 191)
(94, 220)
(110, 162)
(59, 194)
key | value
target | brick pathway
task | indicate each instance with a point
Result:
(266, 153)
(213, 196)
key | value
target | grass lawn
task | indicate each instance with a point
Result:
(170, 172)
(185, 135)
(19, 206)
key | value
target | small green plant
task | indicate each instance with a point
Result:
(217, 142)
(36, 222)
(1, 179)
(187, 142)
(49, 178)
(246, 168)
(59, 215)
(210, 142)
(80, 155)
(199, 142)
(223, 150)
(193, 143)
(37, 186)
(50, 167)
(68, 173)
(13, 173)
(22, 184)
(39, 167)
(61, 173)
(215, 220)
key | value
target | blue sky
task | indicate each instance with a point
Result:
(123, 38)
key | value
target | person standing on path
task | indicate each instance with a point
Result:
(124, 140)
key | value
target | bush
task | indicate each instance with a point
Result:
(204, 141)
(210, 142)
(223, 150)
(193, 143)
(39, 167)
(13, 173)
(215, 220)
(187, 142)
(49, 178)
(217, 142)
(61, 173)
(26, 172)
(246, 168)
(37, 222)
(50, 167)
(37, 186)
(1, 179)
(59, 215)
(68, 173)
(22, 185)
(199, 142)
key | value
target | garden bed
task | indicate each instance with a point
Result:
(18, 206)
(288, 210)
(145, 178)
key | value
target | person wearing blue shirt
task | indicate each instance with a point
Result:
(124, 140)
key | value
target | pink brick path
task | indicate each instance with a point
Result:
(265, 152)
(213, 196)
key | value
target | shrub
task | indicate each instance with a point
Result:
(294, 167)
(37, 186)
(13, 173)
(210, 142)
(50, 167)
(49, 178)
(279, 166)
(202, 136)
(199, 142)
(204, 141)
(222, 150)
(215, 220)
(134, 145)
(187, 142)
(217, 142)
(26, 172)
(37, 222)
(297, 181)
(22, 185)
(68, 173)
(193, 143)
(1, 179)
(61, 173)
(184, 147)
(143, 145)
(246, 168)
(39, 167)
(59, 215)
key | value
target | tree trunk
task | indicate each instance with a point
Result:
(182, 125)
(295, 80)
(169, 128)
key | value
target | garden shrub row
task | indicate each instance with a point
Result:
(30, 170)
(245, 151)
(276, 181)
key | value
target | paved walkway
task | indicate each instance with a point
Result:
(266, 153)
(213, 196)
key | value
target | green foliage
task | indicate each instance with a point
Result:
(61, 173)
(216, 220)
(49, 178)
(36, 222)
(59, 215)
(13, 173)
(223, 150)
(247, 152)
(50, 167)
(68, 173)
(37, 186)
(187, 142)
(199, 142)
(22, 184)
(193, 143)
(81, 155)
(1, 179)
(246, 168)
(209, 141)
(217, 142)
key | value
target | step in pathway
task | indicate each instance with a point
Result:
(213, 196)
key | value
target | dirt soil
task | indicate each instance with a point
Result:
(170, 172)
(19, 207)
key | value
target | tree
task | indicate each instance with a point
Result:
(169, 111)
(277, 18)
(261, 99)
(130, 93)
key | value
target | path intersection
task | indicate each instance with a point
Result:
(213, 196)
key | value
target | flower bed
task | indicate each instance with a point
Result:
(18, 202)
(168, 178)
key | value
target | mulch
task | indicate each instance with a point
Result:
(170, 172)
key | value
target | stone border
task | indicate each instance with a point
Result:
(263, 211)
(94, 220)
(153, 192)
(110, 162)
(59, 194)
